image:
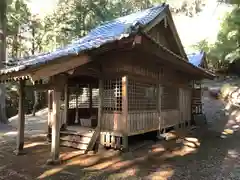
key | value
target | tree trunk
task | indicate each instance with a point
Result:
(3, 32)
(36, 102)
(36, 95)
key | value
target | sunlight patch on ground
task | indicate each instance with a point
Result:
(68, 155)
(105, 164)
(11, 133)
(127, 174)
(158, 149)
(50, 172)
(164, 174)
(34, 144)
(227, 131)
(232, 153)
(88, 161)
(235, 126)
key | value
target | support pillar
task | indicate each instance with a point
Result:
(56, 123)
(90, 99)
(99, 115)
(76, 114)
(100, 107)
(49, 114)
(21, 119)
(66, 103)
(125, 112)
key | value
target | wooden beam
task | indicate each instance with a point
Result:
(40, 87)
(66, 64)
(21, 119)
(125, 111)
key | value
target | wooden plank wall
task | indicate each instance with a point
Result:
(169, 118)
(142, 121)
(112, 122)
(185, 104)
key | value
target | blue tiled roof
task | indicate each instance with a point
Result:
(196, 58)
(108, 32)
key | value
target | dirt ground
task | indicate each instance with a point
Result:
(209, 153)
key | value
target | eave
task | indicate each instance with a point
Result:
(150, 45)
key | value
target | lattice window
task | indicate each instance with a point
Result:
(141, 96)
(169, 98)
(83, 97)
(112, 94)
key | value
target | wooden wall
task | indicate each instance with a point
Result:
(142, 121)
(112, 122)
(169, 118)
(185, 104)
(138, 68)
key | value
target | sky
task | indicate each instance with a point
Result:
(203, 26)
(42, 7)
(191, 30)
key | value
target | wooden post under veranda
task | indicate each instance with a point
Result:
(66, 103)
(21, 119)
(90, 99)
(49, 114)
(56, 123)
(125, 111)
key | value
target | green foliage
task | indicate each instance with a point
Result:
(226, 49)
(18, 16)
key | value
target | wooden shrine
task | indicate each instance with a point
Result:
(134, 85)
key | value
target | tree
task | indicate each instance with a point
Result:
(227, 47)
(18, 24)
(3, 33)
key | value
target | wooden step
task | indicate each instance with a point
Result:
(75, 145)
(85, 134)
(75, 138)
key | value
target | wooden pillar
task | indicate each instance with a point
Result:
(21, 119)
(100, 99)
(76, 114)
(159, 109)
(55, 128)
(125, 111)
(90, 99)
(66, 103)
(49, 114)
